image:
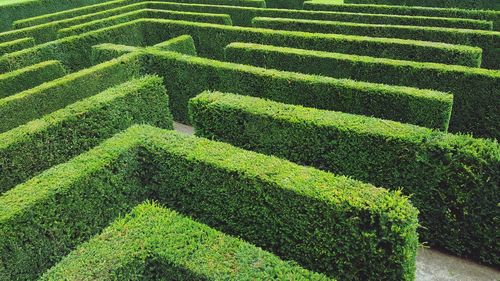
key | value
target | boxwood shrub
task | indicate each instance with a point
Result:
(476, 92)
(29, 77)
(452, 179)
(152, 242)
(465, 4)
(38, 145)
(16, 45)
(316, 217)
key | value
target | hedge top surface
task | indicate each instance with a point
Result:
(485, 149)
(150, 232)
(338, 191)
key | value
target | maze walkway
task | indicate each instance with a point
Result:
(316, 140)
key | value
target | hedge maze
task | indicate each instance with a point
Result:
(332, 139)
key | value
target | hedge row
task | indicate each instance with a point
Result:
(488, 41)
(74, 52)
(29, 77)
(465, 4)
(183, 44)
(453, 179)
(316, 217)
(145, 13)
(40, 144)
(186, 76)
(15, 11)
(211, 39)
(493, 16)
(476, 92)
(152, 242)
(20, 108)
(16, 45)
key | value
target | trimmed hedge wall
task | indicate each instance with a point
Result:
(466, 4)
(488, 41)
(317, 217)
(16, 45)
(31, 104)
(40, 144)
(183, 44)
(211, 39)
(145, 13)
(453, 179)
(186, 76)
(15, 11)
(476, 92)
(243, 16)
(29, 77)
(493, 16)
(151, 243)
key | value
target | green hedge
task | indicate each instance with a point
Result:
(476, 94)
(16, 45)
(453, 179)
(493, 16)
(316, 217)
(31, 104)
(183, 44)
(211, 39)
(243, 16)
(151, 243)
(145, 13)
(466, 4)
(488, 41)
(38, 145)
(29, 77)
(74, 52)
(186, 76)
(15, 11)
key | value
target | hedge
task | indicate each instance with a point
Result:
(15, 11)
(243, 16)
(40, 144)
(31, 104)
(465, 4)
(145, 13)
(186, 76)
(74, 52)
(211, 39)
(16, 45)
(183, 44)
(152, 242)
(29, 77)
(453, 179)
(476, 92)
(488, 41)
(493, 16)
(316, 217)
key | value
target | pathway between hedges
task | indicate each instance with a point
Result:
(432, 265)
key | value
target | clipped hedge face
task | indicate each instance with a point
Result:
(74, 74)
(433, 167)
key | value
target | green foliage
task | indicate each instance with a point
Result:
(38, 145)
(493, 16)
(211, 39)
(465, 4)
(326, 223)
(29, 77)
(488, 41)
(152, 242)
(186, 76)
(20, 108)
(453, 179)
(16, 45)
(476, 92)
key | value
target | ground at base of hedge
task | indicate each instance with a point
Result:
(432, 265)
